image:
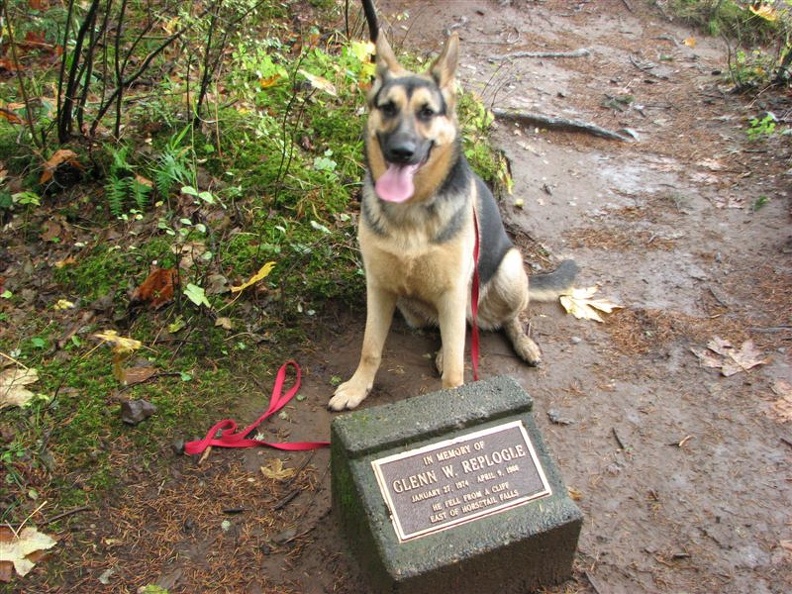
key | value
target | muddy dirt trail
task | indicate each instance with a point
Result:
(683, 473)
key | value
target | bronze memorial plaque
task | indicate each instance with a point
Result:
(462, 479)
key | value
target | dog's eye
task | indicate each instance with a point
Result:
(388, 109)
(426, 113)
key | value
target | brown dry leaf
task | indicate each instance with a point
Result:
(711, 164)
(67, 261)
(60, 157)
(782, 408)
(157, 289)
(580, 304)
(276, 471)
(189, 253)
(720, 346)
(746, 358)
(136, 375)
(144, 180)
(8, 65)
(20, 549)
(224, 323)
(731, 360)
(12, 386)
(51, 231)
(10, 116)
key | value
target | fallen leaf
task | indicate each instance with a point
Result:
(720, 346)
(136, 374)
(711, 164)
(690, 41)
(782, 408)
(580, 304)
(12, 386)
(189, 253)
(51, 231)
(60, 157)
(707, 359)
(731, 360)
(276, 471)
(270, 81)
(746, 358)
(765, 11)
(10, 116)
(67, 261)
(62, 304)
(224, 323)
(121, 344)
(317, 82)
(157, 289)
(20, 549)
(260, 275)
(144, 181)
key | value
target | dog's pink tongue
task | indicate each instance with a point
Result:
(396, 184)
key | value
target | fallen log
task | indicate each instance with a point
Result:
(554, 123)
(578, 53)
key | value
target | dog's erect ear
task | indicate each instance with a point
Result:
(386, 60)
(444, 67)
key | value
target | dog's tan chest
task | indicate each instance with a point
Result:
(423, 275)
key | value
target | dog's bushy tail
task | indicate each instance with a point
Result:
(547, 286)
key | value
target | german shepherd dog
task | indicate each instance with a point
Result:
(417, 232)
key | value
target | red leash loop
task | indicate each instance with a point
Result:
(474, 298)
(224, 433)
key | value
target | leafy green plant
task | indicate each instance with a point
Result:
(175, 165)
(762, 127)
(124, 189)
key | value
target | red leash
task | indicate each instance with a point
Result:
(474, 297)
(224, 434)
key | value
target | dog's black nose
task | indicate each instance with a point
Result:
(402, 152)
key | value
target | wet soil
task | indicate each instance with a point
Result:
(683, 474)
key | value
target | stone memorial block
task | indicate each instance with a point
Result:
(453, 492)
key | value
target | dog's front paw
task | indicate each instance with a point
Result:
(528, 350)
(348, 395)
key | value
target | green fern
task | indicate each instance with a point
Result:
(140, 193)
(116, 192)
(171, 169)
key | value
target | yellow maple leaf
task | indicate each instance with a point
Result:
(580, 304)
(62, 304)
(121, 344)
(260, 275)
(276, 471)
(765, 11)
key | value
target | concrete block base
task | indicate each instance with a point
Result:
(445, 546)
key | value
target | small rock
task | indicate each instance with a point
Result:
(555, 417)
(136, 411)
(177, 446)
